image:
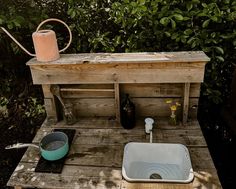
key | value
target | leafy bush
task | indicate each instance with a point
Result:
(141, 25)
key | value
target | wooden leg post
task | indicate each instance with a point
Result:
(117, 101)
(18, 187)
(186, 103)
(50, 105)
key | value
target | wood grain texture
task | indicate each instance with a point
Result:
(186, 90)
(111, 58)
(72, 177)
(117, 101)
(125, 73)
(157, 90)
(144, 106)
(206, 179)
(165, 90)
(95, 157)
(174, 67)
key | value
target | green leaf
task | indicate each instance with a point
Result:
(1, 21)
(178, 17)
(206, 23)
(73, 14)
(219, 50)
(220, 58)
(190, 41)
(10, 26)
(174, 36)
(183, 39)
(17, 24)
(142, 2)
(186, 18)
(188, 32)
(189, 6)
(214, 18)
(194, 44)
(196, 1)
(204, 5)
(133, 4)
(143, 8)
(234, 42)
(164, 21)
(173, 24)
(213, 34)
(167, 34)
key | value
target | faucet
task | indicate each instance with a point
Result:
(149, 127)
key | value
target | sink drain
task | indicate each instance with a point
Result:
(155, 176)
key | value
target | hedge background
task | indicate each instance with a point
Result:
(123, 26)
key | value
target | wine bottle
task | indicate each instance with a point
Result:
(128, 113)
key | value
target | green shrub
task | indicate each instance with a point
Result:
(141, 25)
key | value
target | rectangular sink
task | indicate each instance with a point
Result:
(156, 162)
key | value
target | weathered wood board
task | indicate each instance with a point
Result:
(144, 106)
(157, 90)
(96, 82)
(95, 158)
(174, 67)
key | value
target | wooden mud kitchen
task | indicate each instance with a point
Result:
(83, 93)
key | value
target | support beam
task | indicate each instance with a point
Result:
(50, 105)
(186, 102)
(117, 101)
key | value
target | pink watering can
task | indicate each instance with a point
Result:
(45, 42)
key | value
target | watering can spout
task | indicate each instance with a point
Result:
(23, 48)
(45, 42)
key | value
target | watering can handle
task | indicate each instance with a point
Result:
(57, 20)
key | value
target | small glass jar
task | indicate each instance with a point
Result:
(69, 114)
(173, 119)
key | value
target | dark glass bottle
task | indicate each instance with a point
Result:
(127, 113)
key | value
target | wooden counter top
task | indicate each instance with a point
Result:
(148, 67)
(95, 157)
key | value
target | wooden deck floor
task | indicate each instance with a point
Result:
(95, 157)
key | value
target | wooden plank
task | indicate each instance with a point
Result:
(46, 91)
(128, 185)
(145, 57)
(125, 73)
(121, 136)
(166, 90)
(101, 177)
(93, 107)
(87, 91)
(17, 187)
(117, 101)
(71, 177)
(187, 137)
(186, 102)
(96, 156)
(111, 123)
(144, 106)
(50, 105)
(205, 179)
(111, 156)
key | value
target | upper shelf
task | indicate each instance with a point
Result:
(88, 68)
(111, 58)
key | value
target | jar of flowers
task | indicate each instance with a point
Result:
(173, 108)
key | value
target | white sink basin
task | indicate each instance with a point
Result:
(156, 162)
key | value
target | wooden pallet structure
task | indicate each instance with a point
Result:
(95, 84)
